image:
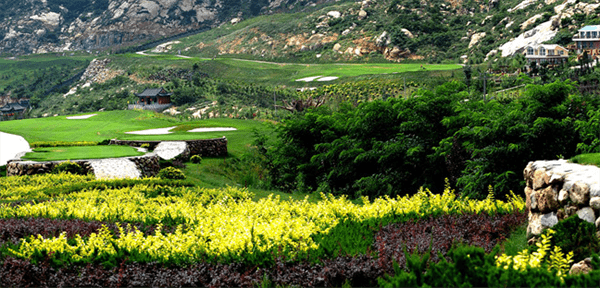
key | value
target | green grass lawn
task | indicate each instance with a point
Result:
(80, 152)
(274, 73)
(593, 159)
(114, 124)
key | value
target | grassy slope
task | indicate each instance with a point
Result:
(269, 72)
(212, 172)
(592, 159)
(113, 124)
(81, 152)
(21, 71)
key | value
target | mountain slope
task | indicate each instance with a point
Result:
(38, 26)
(437, 30)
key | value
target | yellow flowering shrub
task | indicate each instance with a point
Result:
(27, 187)
(223, 224)
(554, 259)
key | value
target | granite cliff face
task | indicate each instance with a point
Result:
(38, 26)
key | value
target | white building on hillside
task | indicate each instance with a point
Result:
(546, 53)
(588, 39)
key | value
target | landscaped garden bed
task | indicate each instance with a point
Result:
(68, 230)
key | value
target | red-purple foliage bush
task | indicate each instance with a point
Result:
(12, 230)
(440, 233)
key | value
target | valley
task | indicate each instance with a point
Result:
(393, 143)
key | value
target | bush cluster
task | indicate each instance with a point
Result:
(393, 147)
(68, 167)
(171, 173)
(196, 159)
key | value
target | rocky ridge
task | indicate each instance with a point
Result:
(40, 26)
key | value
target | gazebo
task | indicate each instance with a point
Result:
(154, 96)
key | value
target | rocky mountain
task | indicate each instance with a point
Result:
(38, 26)
(435, 30)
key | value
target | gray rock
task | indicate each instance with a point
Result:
(587, 214)
(548, 220)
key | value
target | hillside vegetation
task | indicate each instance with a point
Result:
(374, 30)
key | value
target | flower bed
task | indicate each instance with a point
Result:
(220, 237)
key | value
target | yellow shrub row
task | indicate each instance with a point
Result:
(226, 228)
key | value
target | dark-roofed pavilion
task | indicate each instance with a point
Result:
(154, 96)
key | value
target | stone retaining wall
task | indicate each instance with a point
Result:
(203, 147)
(558, 189)
(21, 168)
(147, 164)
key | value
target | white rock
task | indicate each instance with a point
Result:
(492, 53)
(170, 149)
(595, 202)
(531, 21)
(334, 14)
(475, 38)
(522, 5)
(150, 7)
(51, 19)
(383, 39)
(407, 33)
(115, 168)
(362, 14)
(542, 33)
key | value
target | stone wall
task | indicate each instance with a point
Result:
(558, 189)
(21, 168)
(203, 147)
(147, 164)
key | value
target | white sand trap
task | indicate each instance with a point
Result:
(330, 78)
(308, 79)
(82, 116)
(213, 129)
(159, 131)
(11, 146)
(170, 149)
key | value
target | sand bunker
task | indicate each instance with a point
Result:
(213, 129)
(159, 131)
(318, 78)
(308, 79)
(11, 146)
(82, 116)
(330, 78)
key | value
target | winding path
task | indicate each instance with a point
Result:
(11, 146)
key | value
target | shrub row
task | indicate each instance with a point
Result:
(40, 144)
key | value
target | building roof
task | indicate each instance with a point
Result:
(153, 92)
(12, 107)
(590, 28)
(547, 46)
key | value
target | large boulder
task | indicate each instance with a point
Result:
(475, 38)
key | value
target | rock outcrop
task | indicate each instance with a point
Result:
(558, 189)
(43, 26)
